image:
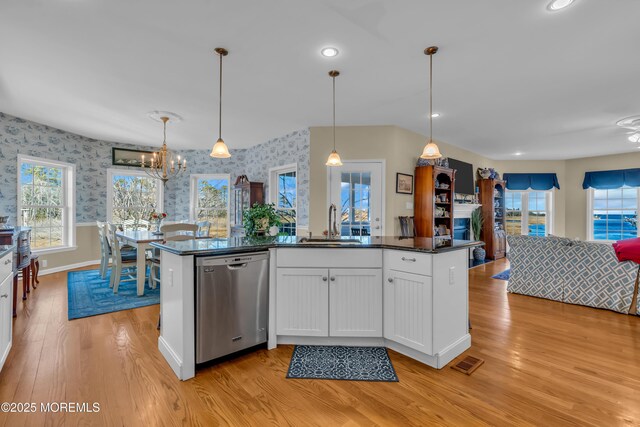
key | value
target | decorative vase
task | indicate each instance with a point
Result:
(484, 173)
(479, 253)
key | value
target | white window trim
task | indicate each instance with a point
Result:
(112, 171)
(590, 196)
(550, 204)
(193, 194)
(69, 210)
(273, 176)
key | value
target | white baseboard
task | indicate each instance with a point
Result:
(174, 360)
(68, 267)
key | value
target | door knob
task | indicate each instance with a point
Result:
(333, 278)
(390, 280)
(324, 278)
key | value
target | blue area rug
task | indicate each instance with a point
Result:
(341, 363)
(502, 276)
(90, 295)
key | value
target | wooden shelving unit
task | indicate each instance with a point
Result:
(493, 211)
(433, 208)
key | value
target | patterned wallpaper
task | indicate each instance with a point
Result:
(93, 157)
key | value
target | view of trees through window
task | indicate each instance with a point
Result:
(286, 203)
(134, 198)
(42, 204)
(212, 204)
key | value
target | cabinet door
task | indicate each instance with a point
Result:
(408, 310)
(302, 302)
(6, 319)
(355, 302)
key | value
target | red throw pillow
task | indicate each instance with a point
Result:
(628, 250)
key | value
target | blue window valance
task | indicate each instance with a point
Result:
(534, 181)
(608, 180)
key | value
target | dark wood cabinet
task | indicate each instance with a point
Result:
(494, 215)
(246, 194)
(433, 201)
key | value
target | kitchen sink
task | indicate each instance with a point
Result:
(324, 241)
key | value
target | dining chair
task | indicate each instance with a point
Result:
(105, 250)
(170, 232)
(123, 262)
(203, 228)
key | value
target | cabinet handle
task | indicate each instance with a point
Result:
(390, 280)
(333, 278)
(324, 278)
(4, 296)
(408, 259)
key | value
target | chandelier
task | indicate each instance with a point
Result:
(162, 165)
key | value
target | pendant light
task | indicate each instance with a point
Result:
(431, 150)
(334, 157)
(220, 149)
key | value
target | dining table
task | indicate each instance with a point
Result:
(140, 239)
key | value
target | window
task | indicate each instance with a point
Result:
(283, 192)
(613, 213)
(210, 202)
(355, 189)
(46, 202)
(529, 212)
(131, 197)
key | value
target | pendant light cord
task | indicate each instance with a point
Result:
(220, 103)
(334, 113)
(431, 98)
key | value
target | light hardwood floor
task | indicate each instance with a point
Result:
(546, 363)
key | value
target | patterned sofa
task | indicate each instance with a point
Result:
(561, 269)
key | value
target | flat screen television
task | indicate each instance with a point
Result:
(464, 176)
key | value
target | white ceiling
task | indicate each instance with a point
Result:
(510, 76)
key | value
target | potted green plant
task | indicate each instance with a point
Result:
(259, 218)
(477, 220)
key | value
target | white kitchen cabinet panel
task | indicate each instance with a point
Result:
(408, 310)
(302, 302)
(6, 317)
(355, 302)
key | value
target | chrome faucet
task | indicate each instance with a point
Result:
(332, 231)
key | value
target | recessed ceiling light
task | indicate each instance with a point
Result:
(635, 138)
(518, 153)
(556, 5)
(329, 52)
(434, 115)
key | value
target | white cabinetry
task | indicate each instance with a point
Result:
(6, 313)
(355, 302)
(408, 315)
(303, 302)
(329, 292)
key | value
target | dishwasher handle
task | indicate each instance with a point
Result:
(237, 266)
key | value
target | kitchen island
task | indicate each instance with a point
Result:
(408, 294)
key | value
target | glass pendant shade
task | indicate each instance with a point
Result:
(430, 151)
(220, 150)
(334, 159)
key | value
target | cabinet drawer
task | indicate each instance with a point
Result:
(411, 262)
(329, 257)
(6, 266)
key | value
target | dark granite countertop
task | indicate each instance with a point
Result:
(209, 247)
(5, 249)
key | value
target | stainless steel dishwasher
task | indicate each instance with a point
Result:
(231, 303)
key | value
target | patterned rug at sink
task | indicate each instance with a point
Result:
(502, 276)
(90, 295)
(341, 363)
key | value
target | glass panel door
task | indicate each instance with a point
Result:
(356, 190)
